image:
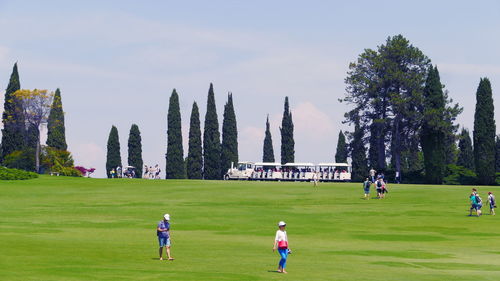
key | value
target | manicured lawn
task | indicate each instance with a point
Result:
(56, 228)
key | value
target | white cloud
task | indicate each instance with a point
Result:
(89, 155)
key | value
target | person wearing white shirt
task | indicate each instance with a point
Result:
(281, 244)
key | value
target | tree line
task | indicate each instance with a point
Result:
(404, 120)
(208, 157)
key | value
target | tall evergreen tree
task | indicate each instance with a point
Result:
(211, 140)
(341, 154)
(113, 156)
(358, 155)
(287, 140)
(497, 154)
(229, 147)
(135, 150)
(194, 160)
(433, 136)
(484, 133)
(465, 154)
(56, 136)
(268, 150)
(175, 151)
(14, 129)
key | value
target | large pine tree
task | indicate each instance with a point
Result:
(135, 150)
(14, 129)
(433, 136)
(465, 153)
(175, 152)
(341, 154)
(229, 147)
(268, 150)
(211, 140)
(195, 155)
(358, 155)
(113, 156)
(56, 136)
(484, 133)
(287, 140)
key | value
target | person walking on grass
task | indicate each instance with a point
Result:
(378, 186)
(163, 233)
(475, 205)
(492, 202)
(366, 188)
(281, 244)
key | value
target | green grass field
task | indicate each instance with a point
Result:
(56, 228)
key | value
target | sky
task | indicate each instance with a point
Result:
(117, 62)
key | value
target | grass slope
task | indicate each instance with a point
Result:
(56, 228)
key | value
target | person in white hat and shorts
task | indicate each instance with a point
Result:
(281, 244)
(163, 233)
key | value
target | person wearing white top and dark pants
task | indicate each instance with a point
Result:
(281, 244)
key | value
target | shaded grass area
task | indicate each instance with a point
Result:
(56, 228)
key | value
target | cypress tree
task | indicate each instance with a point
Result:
(135, 150)
(497, 154)
(195, 155)
(432, 136)
(14, 129)
(287, 141)
(175, 152)
(358, 155)
(56, 136)
(484, 133)
(211, 140)
(113, 157)
(229, 147)
(465, 154)
(341, 154)
(268, 150)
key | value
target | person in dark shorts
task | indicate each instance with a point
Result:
(378, 187)
(163, 233)
(366, 188)
(492, 202)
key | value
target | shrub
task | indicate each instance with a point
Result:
(21, 159)
(459, 175)
(59, 161)
(16, 174)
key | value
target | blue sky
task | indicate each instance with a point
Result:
(117, 62)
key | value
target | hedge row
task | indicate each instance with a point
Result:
(16, 174)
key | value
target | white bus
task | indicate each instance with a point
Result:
(334, 172)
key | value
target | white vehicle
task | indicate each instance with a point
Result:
(298, 171)
(243, 171)
(267, 171)
(334, 171)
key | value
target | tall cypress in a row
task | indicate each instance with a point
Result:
(135, 150)
(465, 153)
(56, 134)
(229, 147)
(14, 129)
(497, 154)
(211, 140)
(287, 141)
(195, 155)
(341, 154)
(268, 150)
(484, 133)
(175, 153)
(358, 155)
(432, 136)
(113, 157)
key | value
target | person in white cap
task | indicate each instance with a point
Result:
(281, 244)
(163, 233)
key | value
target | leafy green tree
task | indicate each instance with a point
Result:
(175, 151)
(113, 156)
(358, 155)
(433, 136)
(229, 147)
(484, 133)
(194, 162)
(56, 134)
(287, 140)
(341, 154)
(135, 150)
(268, 150)
(13, 131)
(466, 154)
(211, 140)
